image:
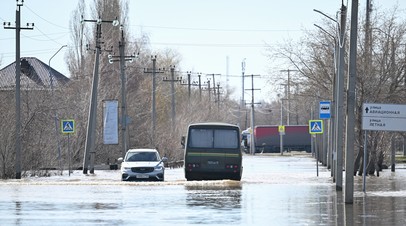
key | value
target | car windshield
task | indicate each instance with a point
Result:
(142, 157)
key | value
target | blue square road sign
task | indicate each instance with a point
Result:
(315, 126)
(68, 126)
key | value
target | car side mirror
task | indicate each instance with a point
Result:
(120, 160)
(163, 159)
(182, 141)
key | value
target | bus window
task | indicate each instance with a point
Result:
(201, 138)
(225, 138)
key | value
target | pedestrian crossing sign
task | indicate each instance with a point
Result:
(68, 126)
(315, 126)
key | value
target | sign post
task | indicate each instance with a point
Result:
(325, 114)
(68, 127)
(382, 117)
(281, 130)
(316, 127)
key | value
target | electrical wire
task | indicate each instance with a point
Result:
(216, 29)
(34, 36)
(56, 25)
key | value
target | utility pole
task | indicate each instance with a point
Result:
(122, 59)
(351, 107)
(209, 90)
(242, 104)
(218, 96)
(200, 86)
(340, 103)
(18, 28)
(91, 123)
(188, 83)
(288, 95)
(214, 83)
(252, 145)
(172, 81)
(153, 105)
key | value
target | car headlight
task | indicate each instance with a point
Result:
(159, 167)
(126, 168)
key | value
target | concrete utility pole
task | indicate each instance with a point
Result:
(208, 89)
(172, 81)
(189, 84)
(339, 148)
(122, 59)
(197, 83)
(214, 83)
(242, 105)
(153, 105)
(252, 145)
(350, 126)
(91, 123)
(200, 86)
(18, 28)
(218, 96)
(288, 95)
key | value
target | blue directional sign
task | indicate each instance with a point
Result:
(325, 112)
(68, 126)
(315, 126)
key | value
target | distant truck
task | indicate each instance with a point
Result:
(267, 138)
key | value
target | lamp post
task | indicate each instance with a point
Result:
(51, 79)
(331, 133)
(339, 99)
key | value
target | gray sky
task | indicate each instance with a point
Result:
(205, 32)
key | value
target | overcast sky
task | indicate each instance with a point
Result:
(213, 36)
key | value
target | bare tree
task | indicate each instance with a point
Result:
(381, 72)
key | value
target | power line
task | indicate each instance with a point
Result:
(218, 29)
(49, 38)
(56, 25)
(62, 34)
(228, 45)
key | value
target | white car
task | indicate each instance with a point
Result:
(142, 164)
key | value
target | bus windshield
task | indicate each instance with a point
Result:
(213, 138)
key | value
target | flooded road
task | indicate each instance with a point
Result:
(274, 190)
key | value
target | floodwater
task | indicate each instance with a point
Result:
(274, 190)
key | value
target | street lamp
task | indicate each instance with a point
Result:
(338, 99)
(51, 78)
